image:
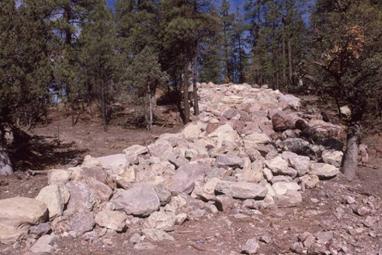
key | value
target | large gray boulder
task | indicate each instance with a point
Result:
(140, 200)
(323, 170)
(184, 179)
(5, 163)
(17, 214)
(241, 190)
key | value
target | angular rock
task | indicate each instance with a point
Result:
(309, 181)
(162, 220)
(114, 220)
(5, 163)
(250, 247)
(192, 131)
(332, 157)
(164, 194)
(59, 176)
(161, 149)
(184, 179)
(282, 121)
(282, 188)
(323, 170)
(133, 152)
(80, 222)
(113, 163)
(81, 198)
(227, 160)
(300, 163)
(280, 166)
(17, 214)
(289, 199)
(95, 172)
(55, 197)
(140, 200)
(297, 145)
(241, 190)
(43, 245)
(225, 136)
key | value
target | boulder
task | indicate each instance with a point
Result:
(279, 166)
(229, 160)
(282, 121)
(297, 145)
(5, 163)
(113, 163)
(114, 220)
(164, 194)
(162, 220)
(80, 222)
(250, 247)
(241, 190)
(289, 199)
(43, 245)
(140, 200)
(323, 170)
(282, 188)
(95, 172)
(290, 101)
(309, 181)
(55, 197)
(59, 176)
(225, 136)
(300, 163)
(81, 198)
(161, 149)
(192, 131)
(332, 157)
(17, 214)
(133, 152)
(184, 179)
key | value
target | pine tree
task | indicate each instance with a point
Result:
(227, 20)
(183, 25)
(98, 56)
(25, 64)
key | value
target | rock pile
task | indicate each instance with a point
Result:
(250, 148)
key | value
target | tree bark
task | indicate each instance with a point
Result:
(195, 87)
(150, 111)
(350, 162)
(186, 103)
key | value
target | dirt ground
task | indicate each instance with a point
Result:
(323, 208)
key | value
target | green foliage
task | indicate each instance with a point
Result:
(25, 64)
(349, 57)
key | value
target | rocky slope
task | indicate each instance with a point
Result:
(250, 149)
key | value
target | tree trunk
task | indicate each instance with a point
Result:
(150, 111)
(186, 103)
(103, 107)
(290, 64)
(195, 87)
(350, 162)
(5, 162)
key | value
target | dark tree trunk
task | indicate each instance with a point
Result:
(185, 97)
(350, 161)
(195, 87)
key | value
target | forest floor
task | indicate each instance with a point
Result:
(327, 209)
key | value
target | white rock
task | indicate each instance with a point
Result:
(114, 220)
(282, 188)
(17, 214)
(55, 197)
(59, 176)
(323, 170)
(162, 220)
(332, 157)
(241, 190)
(157, 235)
(250, 247)
(43, 245)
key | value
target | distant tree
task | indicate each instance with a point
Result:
(348, 58)
(227, 20)
(145, 73)
(98, 56)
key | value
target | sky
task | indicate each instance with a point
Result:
(234, 3)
